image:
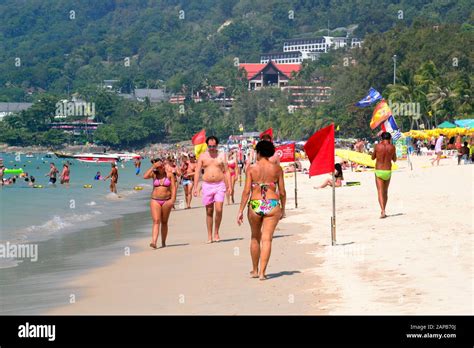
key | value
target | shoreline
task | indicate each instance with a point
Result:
(64, 258)
(413, 262)
(198, 278)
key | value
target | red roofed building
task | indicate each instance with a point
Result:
(270, 74)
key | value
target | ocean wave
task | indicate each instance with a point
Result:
(58, 223)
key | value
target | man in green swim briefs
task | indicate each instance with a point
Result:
(384, 153)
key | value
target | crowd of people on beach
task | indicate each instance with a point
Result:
(213, 176)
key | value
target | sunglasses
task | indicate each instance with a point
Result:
(212, 146)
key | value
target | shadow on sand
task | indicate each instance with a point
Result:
(229, 240)
(397, 214)
(280, 274)
(173, 245)
(282, 235)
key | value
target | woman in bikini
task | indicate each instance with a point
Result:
(162, 199)
(266, 206)
(234, 172)
(65, 175)
(337, 175)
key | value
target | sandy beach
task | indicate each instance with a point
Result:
(419, 260)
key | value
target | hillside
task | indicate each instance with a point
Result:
(63, 45)
(51, 50)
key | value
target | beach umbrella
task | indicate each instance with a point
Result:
(446, 124)
(465, 123)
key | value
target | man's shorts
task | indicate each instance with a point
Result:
(213, 192)
(186, 182)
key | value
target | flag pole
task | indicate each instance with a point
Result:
(333, 218)
(296, 181)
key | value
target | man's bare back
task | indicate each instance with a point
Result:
(214, 168)
(384, 154)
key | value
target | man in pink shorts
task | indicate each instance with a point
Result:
(216, 181)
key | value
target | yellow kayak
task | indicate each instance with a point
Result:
(359, 158)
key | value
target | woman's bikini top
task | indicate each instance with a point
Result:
(231, 165)
(264, 187)
(164, 182)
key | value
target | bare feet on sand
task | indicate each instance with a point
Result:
(262, 277)
(153, 245)
(383, 215)
(253, 274)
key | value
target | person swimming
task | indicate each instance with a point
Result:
(98, 176)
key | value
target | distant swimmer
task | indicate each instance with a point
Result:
(65, 175)
(215, 184)
(53, 172)
(162, 199)
(113, 175)
(384, 153)
(98, 176)
(265, 194)
(2, 170)
(138, 164)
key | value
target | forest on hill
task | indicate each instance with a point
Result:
(52, 49)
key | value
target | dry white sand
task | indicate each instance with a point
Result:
(419, 260)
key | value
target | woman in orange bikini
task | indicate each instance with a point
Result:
(162, 199)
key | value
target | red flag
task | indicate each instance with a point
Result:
(286, 152)
(199, 138)
(320, 151)
(269, 131)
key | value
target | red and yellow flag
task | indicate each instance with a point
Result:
(199, 142)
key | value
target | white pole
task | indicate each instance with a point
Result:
(333, 218)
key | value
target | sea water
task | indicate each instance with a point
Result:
(30, 214)
(70, 229)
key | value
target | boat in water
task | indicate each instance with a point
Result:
(91, 157)
(127, 156)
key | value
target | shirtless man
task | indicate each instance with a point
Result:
(384, 153)
(53, 172)
(216, 181)
(253, 156)
(188, 170)
(113, 175)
